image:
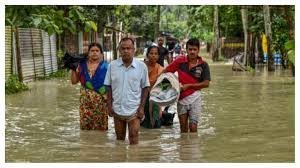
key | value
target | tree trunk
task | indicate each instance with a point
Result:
(18, 54)
(290, 21)
(252, 50)
(101, 33)
(59, 42)
(215, 51)
(268, 30)
(244, 12)
(157, 22)
(208, 46)
(114, 38)
(256, 52)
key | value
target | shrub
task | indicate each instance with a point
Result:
(62, 73)
(59, 74)
(13, 85)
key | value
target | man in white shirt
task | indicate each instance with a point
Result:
(128, 86)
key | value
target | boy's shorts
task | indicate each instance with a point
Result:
(193, 110)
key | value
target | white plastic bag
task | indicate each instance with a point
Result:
(168, 96)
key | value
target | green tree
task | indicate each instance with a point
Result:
(200, 22)
(49, 18)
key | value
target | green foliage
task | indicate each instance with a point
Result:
(60, 53)
(182, 21)
(16, 16)
(165, 84)
(53, 19)
(142, 19)
(291, 56)
(13, 85)
(230, 21)
(279, 25)
(137, 19)
(174, 20)
(290, 47)
(256, 25)
(200, 22)
(179, 29)
(279, 30)
(62, 73)
(77, 15)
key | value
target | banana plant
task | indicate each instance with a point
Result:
(49, 18)
(290, 47)
(77, 15)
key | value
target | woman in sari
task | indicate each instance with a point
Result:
(91, 74)
(152, 110)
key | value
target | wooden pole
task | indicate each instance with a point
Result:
(268, 31)
(19, 61)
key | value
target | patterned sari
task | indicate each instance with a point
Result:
(151, 109)
(154, 111)
(93, 110)
(93, 99)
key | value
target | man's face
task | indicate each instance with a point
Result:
(192, 51)
(126, 50)
(160, 41)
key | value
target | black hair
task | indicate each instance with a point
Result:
(95, 44)
(160, 36)
(193, 42)
(127, 38)
(149, 49)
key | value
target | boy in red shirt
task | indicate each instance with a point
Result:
(193, 75)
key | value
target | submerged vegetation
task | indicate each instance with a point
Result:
(13, 85)
(61, 73)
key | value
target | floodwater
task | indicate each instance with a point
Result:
(246, 117)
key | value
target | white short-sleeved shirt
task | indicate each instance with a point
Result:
(126, 84)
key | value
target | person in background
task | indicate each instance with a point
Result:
(171, 45)
(163, 52)
(93, 100)
(152, 111)
(177, 51)
(194, 75)
(128, 86)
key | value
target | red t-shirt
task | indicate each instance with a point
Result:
(196, 74)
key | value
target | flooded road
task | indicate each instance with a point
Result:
(246, 117)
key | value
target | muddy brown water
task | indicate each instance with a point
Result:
(246, 117)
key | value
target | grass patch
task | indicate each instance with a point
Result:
(13, 85)
(61, 73)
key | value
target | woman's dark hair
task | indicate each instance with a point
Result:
(149, 49)
(193, 42)
(95, 44)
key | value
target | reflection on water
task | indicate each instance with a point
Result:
(247, 117)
